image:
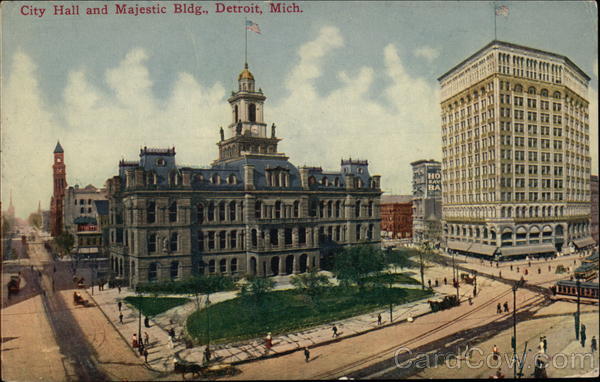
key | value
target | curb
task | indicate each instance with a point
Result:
(121, 335)
(324, 343)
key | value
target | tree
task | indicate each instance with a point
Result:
(353, 264)
(64, 242)
(256, 288)
(312, 283)
(397, 259)
(35, 220)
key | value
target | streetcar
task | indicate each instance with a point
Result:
(567, 290)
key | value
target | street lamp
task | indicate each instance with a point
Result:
(455, 277)
(207, 351)
(422, 270)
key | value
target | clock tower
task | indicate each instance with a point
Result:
(59, 175)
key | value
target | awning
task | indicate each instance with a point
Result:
(459, 245)
(483, 249)
(527, 250)
(585, 242)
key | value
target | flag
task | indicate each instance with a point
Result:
(502, 10)
(252, 26)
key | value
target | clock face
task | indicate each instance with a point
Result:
(58, 160)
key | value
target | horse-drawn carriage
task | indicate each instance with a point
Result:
(207, 370)
(446, 303)
(79, 300)
(467, 278)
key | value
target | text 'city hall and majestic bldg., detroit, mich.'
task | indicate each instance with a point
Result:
(252, 212)
(516, 153)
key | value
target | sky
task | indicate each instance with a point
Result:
(342, 79)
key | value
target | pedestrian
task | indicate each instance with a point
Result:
(335, 333)
(306, 354)
(499, 308)
(511, 267)
(497, 265)
(445, 281)
(582, 336)
(518, 269)
(594, 344)
(470, 301)
(146, 339)
(379, 319)
(121, 318)
(529, 263)
(146, 322)
(526, 272)
(141, 348)
(539, 271)
(436, 283)
(171, 344)
(495, 352)
(172, 333)
(120, 305)
(541, 346)
(545, 345)
(206, 354)
(119, 288)
(268, 342)
(549, 268)
(429, 283)
(145, 355)
(134, 341)
(500, 274)
(506, 307)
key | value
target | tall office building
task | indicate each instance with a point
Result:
(427, 202)
(516, 153)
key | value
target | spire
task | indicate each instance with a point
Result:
(58, 148)
(39, 207)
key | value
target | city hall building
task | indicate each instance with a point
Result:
(516, 153)
(252, 212)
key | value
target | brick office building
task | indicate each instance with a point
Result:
(397, 216)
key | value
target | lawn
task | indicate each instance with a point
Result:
(396, 278)
(285, 311)
(151, 306)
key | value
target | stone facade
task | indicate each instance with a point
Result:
(516, 160)
(594, 208)
(252, 212)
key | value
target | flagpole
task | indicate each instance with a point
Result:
(495, 17)
(246, 42)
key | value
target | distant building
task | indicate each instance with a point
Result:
(427, 202)
(59, 176)
(516, 153)
(80, 218)
(396, 216)
(594, 211)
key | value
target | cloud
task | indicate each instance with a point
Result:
(427, 52)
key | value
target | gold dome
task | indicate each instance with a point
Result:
(245, 74)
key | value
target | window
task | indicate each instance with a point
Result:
(151, 243)
(222, 211)
(296, 209)
(223, 265)
(232, 211)
(233, 236)
(278, 210)
(200, 240)
(234, 264)
(211, 240)
(211, 211)
(257, 210)
(152, 271)
(252, 112)
(173, 212)
(200, 213)
(174, 242)
(222, 238)
(357, 209)
(174, 269)
(151, 212)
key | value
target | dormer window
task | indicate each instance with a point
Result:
(160, 162)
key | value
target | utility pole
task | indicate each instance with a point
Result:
(577, 314)
(422, 270)
(455, 277)
(514, 339)
(207, 322)
(141, 301)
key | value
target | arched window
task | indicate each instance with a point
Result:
(152, 243)
(222, 243)
(254, 237)
(518, 88)
(337, 209)
(556, 95)
(223, 265)
(258, 209)
(311, 180)
(211, 211)
(252, 112)
(216, 179)
(173, 212)
(174, 241)
(200, 212)
(232, 179)
(325, 181)
(222, 211)
(234, 265)
(232, 211)
(544, 93)
(211, 266)
(151, 212)
(531, 90)
(358, 229)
